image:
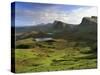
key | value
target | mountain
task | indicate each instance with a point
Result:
(58, 24)
(89, 20)
(86, 30)
(39, 27)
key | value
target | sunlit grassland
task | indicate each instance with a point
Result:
(59, 55)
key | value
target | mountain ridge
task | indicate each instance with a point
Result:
(87, 29)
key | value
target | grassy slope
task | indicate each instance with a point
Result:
(59, 55)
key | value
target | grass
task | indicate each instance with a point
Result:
(59, 55)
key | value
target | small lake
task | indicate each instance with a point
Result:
(44, 39)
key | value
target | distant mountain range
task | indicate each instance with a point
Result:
(58, 25)
(86, 30)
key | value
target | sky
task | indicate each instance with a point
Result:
(28, 14)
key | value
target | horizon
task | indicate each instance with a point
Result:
(47, 23)
(32, 14)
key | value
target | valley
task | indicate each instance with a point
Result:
(69, 47)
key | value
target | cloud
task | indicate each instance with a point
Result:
(76, 16)
(73, 17)
(49, 14)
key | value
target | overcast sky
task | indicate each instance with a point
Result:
(27, 14)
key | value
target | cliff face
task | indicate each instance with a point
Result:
(58, 24)
(89, 24)
(89, 21)
(88, 28)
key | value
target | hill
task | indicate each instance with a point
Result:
(72, 47)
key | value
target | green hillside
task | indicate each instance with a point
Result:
(72, 47)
